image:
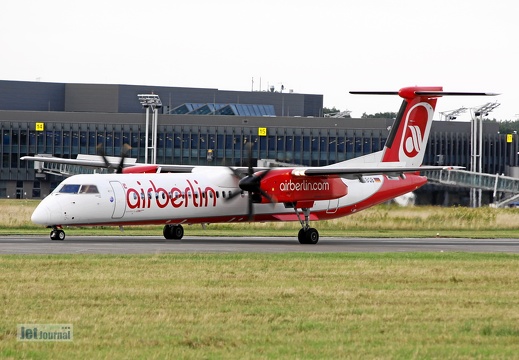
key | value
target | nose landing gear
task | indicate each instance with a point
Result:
(57, 234)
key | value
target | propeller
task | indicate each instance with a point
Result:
(124, 153)
(250, 183)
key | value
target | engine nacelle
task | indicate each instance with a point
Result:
(141, 169)
(282, 186)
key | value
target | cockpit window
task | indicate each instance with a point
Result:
(70, 189)
(88, 189)
(79, 189)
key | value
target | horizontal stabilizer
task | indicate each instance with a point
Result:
(374, 92)
(426, 93)
(453, 93)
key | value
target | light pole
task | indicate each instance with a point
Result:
(476, 146)
(151, 101)
(452, 114)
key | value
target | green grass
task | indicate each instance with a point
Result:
(427, 305)
(308, 306)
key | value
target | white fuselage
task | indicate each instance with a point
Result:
(197, 197)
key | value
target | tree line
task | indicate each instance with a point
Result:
(505, 126)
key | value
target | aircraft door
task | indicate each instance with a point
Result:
(119, 199)
(333, 205)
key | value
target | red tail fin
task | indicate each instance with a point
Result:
(410, 132)
(408, 137)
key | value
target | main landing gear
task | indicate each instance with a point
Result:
(307, 235)
(173, 232)
(57, 234)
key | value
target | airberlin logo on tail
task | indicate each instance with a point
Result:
(413, 141)
(416, 131)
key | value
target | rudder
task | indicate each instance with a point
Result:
(408, 138)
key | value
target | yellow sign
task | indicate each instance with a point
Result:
(509, 138)
(262, 131)
(40, 126)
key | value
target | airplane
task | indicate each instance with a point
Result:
(177, 195)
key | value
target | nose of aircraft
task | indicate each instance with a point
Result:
(47, 213)
(41, 215)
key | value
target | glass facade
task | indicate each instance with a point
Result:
(190, 144)
(224, 109)
(228, 145)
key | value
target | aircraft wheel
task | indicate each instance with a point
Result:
(168, 232)
(312, 236)
(178, 232)
(173, 232)
(57, 235)
(301, 236)
(308, 236)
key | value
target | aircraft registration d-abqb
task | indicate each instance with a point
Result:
(176, 195)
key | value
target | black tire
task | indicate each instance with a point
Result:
(312, 236)
(173, 232)
(301, 236)
(177, 232)
(308, 236)
(57, 235)
(168, 232)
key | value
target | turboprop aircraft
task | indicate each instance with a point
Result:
(174, 196)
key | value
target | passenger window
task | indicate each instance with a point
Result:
(69, 189)
(89, 189)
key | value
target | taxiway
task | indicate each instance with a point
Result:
(194, 244)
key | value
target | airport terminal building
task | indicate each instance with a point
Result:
(203, 127)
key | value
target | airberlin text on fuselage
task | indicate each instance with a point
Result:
(304, 186)
(144, 196)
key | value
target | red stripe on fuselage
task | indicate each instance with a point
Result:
(390, 189)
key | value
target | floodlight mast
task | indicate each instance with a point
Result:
(476, 146)
(151, 101)
(452, 114)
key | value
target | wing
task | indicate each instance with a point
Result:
(97, 162)
(94, 161)
(358, 172)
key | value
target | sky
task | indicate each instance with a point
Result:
(327, 47)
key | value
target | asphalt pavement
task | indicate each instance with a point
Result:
(195, 244)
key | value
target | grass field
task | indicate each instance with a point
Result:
(297, 305)
(315, 306)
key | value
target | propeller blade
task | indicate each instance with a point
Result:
(233, 195)
(266, 196)
(249, 158)
(263, 174)
(124, 153)
(101, 152)
(250, 209)
(236, 173)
